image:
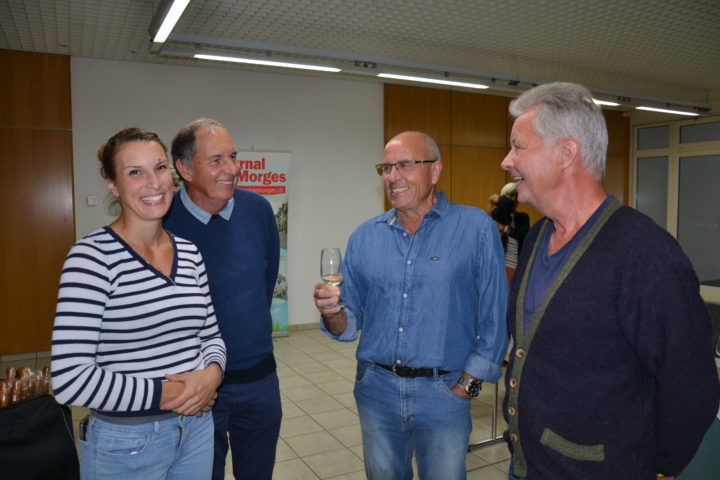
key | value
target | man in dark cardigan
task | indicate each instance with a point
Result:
(611, 374)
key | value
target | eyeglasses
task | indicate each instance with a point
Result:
(384, 169)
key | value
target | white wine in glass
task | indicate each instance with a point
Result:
(333, 280)
(330, 262)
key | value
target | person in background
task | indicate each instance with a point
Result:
(135, 336)
(425, 283)
(236, 232)
(502, 209)
(611, 373)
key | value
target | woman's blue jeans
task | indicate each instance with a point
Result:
(179, 448)
(402, 415)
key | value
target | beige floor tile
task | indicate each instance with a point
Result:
(336, 418)
(303, 392)
(310, 367)
(349, 435)
(333, 388)
(358, 451)
(316, 349)
(497, 452)
(346, 348)
(480, 432)
(325, 403)
(344, 364)
(487, 473)
(291, 410)
(327, 376)
(504, 466)
(346, 399)
(228, 462)
(291, 427)
(479, 409)
(310, 348)
(346, 371)
(473, 461)
(294, 357)
(359, 475)
(294, 380)
(313, 443)
(284, 371)
(334, 463)
(294, 469)
(284, 452)
(328, 357)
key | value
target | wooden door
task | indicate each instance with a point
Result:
(36, 195)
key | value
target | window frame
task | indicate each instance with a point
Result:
(674, 151)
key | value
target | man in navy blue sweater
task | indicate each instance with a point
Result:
(236, 233)
(611, 375)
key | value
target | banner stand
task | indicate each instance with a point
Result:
(267, 173)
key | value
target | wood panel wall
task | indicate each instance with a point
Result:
(36, 195)
(473, 133)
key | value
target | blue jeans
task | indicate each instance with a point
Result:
(402, 415)
(178, 448)
(251, 413)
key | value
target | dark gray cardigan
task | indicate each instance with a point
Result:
(617, 379)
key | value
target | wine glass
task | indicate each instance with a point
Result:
(330, 262)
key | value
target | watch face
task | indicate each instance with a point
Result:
(473, 388)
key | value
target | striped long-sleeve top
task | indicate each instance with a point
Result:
(121, 325)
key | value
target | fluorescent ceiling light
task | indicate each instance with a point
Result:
(171, 18)
(432, 80)
(268, 63)
(605, 103)
(665, 110)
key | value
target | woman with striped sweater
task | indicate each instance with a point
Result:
(135, 336)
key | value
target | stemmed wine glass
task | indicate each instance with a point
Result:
(330, 262)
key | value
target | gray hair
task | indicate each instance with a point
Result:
(567, 110)
(183, 145)
(431, 148)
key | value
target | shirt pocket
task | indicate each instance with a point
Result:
(583, 453)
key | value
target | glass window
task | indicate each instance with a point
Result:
(699, 215)
(700, 132)
(652, 186)
(653, 137)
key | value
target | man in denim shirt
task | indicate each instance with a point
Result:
(426, 284)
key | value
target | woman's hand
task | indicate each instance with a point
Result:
(191, 393)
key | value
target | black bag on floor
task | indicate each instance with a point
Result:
(36, 441)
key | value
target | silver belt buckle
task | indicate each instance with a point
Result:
(394, 371)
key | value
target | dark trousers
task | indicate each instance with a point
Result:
(251, 414)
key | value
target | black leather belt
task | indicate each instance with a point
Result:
(409, 372)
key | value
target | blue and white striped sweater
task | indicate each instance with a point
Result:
(121, 325)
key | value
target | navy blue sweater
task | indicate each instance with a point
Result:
(618, 380)
(241, 257)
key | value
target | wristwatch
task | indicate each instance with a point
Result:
(472, 386)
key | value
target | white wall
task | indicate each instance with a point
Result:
(333, 129)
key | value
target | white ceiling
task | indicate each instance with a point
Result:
(659, 48)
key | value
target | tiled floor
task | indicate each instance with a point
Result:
(320, 433)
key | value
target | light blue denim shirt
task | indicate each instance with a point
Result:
(434, 299)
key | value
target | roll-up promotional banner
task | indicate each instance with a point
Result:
(266, 173)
